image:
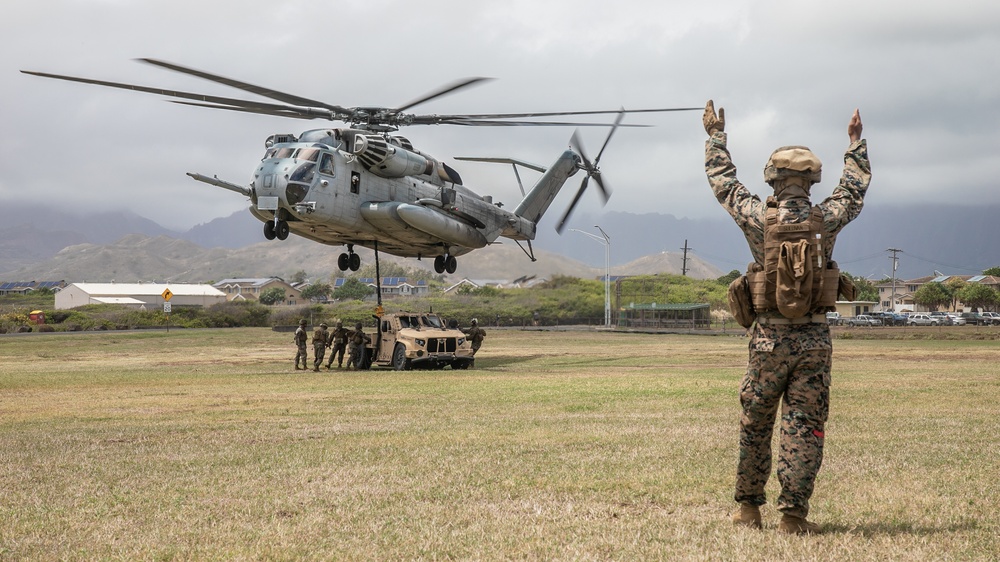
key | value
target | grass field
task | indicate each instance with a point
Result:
(206, 444)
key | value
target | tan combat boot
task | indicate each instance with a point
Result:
(797, 526)
(748, 515)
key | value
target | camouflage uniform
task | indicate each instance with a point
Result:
(337, 344)
(319, 346)
(356, 348)
(476, 335)
(300, 344)
(789, 363)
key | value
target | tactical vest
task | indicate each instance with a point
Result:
(796, 278)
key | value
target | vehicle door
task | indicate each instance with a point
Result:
(387, 339)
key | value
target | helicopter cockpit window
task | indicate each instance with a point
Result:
(284, 152)
(269, 153)
(326, 165)
(310, 154)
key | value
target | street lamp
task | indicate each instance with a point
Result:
(606, 241)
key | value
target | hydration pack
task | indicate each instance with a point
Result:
(796, 278)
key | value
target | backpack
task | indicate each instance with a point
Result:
(796, 278)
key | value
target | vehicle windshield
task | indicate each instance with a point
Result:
(432, 321)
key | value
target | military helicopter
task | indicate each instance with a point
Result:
(364, 186)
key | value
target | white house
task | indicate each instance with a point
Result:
(138, 295)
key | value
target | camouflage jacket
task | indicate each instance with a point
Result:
(840, 208)
(338, 336)
(319, 336)
(300, 336)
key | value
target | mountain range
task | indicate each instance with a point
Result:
(44, 244)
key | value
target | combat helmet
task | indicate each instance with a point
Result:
(302, 322)
(323, 325)
(358, 326)
(793, 162)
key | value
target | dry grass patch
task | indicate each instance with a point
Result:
(206, 444)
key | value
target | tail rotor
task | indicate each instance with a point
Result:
(592, 170)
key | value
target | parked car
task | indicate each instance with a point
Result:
(957, 320)
(993, 316)
(942, 318)
(922, 320)
(833, 318)
(890, 318)
(975, 318)
(864, 320)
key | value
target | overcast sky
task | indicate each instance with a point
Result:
(925, 76)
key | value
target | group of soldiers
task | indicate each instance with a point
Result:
(338, 341)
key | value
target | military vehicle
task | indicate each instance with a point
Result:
(408, 340)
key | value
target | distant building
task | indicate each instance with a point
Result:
(250, 288)
(905, 289)
(25, 287)
(391, 286)
(147, 296)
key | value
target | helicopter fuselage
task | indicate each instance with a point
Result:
(351, 187)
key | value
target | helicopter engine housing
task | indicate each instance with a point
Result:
(389, 161)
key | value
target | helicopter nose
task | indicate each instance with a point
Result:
(299, 182)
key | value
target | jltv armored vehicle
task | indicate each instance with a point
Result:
(408, 340)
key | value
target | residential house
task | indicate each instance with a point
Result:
(250, 288)
(903, 299)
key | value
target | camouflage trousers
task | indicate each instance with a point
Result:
(790, 365)
(319, 351)
(300, 353)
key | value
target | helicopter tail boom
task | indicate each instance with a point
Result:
(537, 201)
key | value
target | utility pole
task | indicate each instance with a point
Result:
(895, 263)
(684, 260)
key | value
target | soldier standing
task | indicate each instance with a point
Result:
(300, 344)
(356, 349)
(320, 337)
(790, 349)
(338, 344)
(476, 335)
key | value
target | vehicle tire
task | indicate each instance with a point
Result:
(439, 264)
(461, 365)
(269, 230)
(355, 262)
(399, 360)
(450, 264)
(282, 230)
(344, 261)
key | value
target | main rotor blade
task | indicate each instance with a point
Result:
(418, 120)
(444, 90)
(258, 111)
(560, 113)
(245, 86)
(572, 205)
(312, 113)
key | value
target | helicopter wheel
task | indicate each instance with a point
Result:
(269, 230)
(450, 264)
(282, 231)
(439, 263)
(344, 261)
(355, 262)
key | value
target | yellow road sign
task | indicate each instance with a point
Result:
(166, 294)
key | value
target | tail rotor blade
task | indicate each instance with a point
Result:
(618, 121)
(572, 205)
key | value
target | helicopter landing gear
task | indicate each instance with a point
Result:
(349, 260)
(276, 229)
(445, 263)
(282, 230)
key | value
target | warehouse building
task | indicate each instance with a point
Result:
(146, 296)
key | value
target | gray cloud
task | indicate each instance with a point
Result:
(923, 75)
